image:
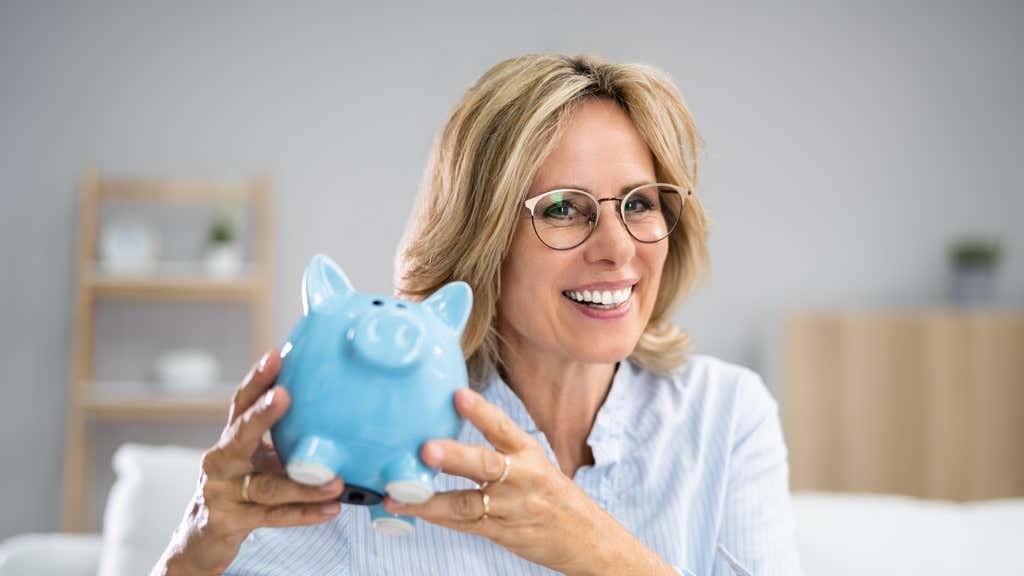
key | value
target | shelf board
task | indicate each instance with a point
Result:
(174, 280)
(142, 189)
(157, 406)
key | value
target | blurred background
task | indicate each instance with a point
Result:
(169, 168)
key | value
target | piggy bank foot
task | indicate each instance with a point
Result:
(314, 461)
(407, 480)
(390, 524)
(409, 492)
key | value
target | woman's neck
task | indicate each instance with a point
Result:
(562, 397)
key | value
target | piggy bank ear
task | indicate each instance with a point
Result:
(322, 280)
(452, 304)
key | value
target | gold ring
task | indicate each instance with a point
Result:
(487, 505)
(245, 487)
(504, 474)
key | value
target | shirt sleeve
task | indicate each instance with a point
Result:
(756, 535)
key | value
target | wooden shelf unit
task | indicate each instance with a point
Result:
(246, 288)
(926, 403)
(157, 407)
(86, 404)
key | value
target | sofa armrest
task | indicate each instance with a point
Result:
(51, 554)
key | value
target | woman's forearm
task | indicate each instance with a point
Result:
(180, 557)
(620, 552)
(632, 557)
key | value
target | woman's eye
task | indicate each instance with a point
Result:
(638, 205)
(560, 210)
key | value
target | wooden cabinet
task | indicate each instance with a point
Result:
(923, 403)
(87, 403)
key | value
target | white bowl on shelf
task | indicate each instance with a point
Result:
(187, 371)
(223, 260)
(128, 247)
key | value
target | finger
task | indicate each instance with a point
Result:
(243, 436)
(492, 421)
(259, 378)
(478, 463)
(273, 490)
(266, 460)
(485, 528)
(453, 507)
(294, 514)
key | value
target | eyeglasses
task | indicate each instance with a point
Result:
(564, 218)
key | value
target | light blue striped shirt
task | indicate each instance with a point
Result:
(693, 463)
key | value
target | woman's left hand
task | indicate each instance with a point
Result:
(536, 512)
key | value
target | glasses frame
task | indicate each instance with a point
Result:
(531, 204)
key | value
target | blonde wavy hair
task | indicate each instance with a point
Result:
(481, 167)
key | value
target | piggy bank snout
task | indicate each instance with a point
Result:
(388, 339)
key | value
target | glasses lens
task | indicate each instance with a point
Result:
(564, 218)
(652, 212)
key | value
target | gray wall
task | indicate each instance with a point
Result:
(846, 145)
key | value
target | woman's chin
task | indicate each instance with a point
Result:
(594, 353)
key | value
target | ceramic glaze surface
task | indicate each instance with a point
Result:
(371, 378)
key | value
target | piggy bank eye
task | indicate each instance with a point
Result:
(378, 303)
(400, 305)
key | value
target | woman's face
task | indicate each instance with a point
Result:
(603, 153)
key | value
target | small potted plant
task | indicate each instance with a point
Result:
(223, 256)
(974, 262)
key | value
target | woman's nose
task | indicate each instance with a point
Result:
(610, 240)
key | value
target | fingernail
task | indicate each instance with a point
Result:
(330, 509)
(263, 362)
(268, 398)
(468, 397)
(433, 452)
(331, 486)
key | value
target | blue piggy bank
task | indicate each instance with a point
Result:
(371, 378)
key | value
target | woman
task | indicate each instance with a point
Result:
(561, 190)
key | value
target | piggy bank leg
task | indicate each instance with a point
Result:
(385, 522)
(408, 480)
(314, 461)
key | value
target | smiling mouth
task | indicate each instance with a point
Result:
(600, 299)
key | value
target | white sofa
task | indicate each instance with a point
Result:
(837, 534)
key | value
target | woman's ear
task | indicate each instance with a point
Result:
(452, 304)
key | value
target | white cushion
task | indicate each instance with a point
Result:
(149, 498)
(50, 555)
(877, 534)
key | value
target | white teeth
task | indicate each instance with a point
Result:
(602, 297)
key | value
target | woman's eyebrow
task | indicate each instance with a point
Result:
(622, 192)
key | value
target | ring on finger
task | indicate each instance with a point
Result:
(504, 473)
(245, 488)
(487, 505)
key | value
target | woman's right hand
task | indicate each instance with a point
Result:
(219, 518)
